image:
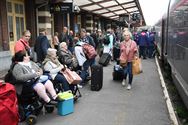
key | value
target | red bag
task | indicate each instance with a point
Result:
(8, 105)
(71, 76)
(89, 51)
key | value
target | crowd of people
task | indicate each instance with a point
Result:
(67, 51)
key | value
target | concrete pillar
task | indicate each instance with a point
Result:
(44, 20)
(89, 23)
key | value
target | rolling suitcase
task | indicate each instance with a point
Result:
(105, 59)
(96, 77)
(117, 73)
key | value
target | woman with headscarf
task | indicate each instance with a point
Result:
(54, 67)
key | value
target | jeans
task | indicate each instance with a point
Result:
(142, 51)
(71, 49)
(61, 79)
(84, 73)
(150, 51)
(128, 70)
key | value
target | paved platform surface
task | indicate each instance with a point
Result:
(144, 104)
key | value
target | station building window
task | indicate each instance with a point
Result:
(16, 20)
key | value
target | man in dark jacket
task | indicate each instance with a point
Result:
(143, 43)
(63, 37)
(41, 45)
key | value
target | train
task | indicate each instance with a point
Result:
(172, 43)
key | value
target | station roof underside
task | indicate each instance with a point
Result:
(110, 8)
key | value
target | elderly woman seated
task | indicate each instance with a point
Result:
(54, 67)
(66, 57)
(30, 74)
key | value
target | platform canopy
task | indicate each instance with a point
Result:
(111, 8)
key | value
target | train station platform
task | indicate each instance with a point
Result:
(144, 104)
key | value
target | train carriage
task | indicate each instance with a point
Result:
(172, 43)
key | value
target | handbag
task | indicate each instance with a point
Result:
(136, 66)
(71, 76)
(123, 63)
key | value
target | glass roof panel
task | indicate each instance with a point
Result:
(124, 1)
(81, 2)
(101, 11)
(114, 17)
(93, 7)
(132, 9)
(97, 0)
(134, 12)
(129, 5)
(120, 12)
(110, 3)
(108, 14)
(115, 8)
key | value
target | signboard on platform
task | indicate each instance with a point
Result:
(61, 7)
(124, 18)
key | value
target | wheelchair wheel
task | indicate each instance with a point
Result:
(31, 120)
(49, 109)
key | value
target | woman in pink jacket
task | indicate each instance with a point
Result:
(128, 49)
(23, 43)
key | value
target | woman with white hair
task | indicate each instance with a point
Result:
(66, 57)
(53, 66)
(128, 51)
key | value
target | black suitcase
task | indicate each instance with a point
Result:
(105, 59)
(117, 73)
(96, 77)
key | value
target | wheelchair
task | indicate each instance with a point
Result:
(30, 105)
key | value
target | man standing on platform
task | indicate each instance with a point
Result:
(41, 45)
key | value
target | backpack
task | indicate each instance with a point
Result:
(9, 76)
(106, 39)
(8, 105)
(89, 51)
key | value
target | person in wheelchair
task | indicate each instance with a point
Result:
(53, 67)
(30, 74)
(66, 57)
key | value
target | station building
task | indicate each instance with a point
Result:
(19, 15)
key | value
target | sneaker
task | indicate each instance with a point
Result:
(128, 87)
(123, 82)
(80, 86)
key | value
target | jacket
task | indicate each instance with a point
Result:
(126, 54)
(51, 67)
(79, 53)
(22, 45)
(41, 46)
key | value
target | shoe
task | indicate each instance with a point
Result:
(128, 87)
(51, 102)
(57, 99)
(123, 82)
(80, 86)
(88, 78)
